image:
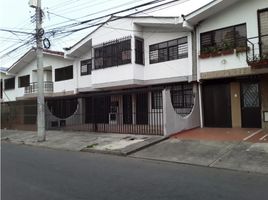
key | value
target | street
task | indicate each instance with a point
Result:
(32, 173)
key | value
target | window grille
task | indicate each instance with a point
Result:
(114, 53)
(85, 67)
(64, 73)
(24, 81)
(229, 37)
(157, 101)
(9, 83)
(169, 50)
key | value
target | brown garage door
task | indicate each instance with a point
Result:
(217, 105)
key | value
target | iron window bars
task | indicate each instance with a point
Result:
(113, 53)
(168, 50)
(85, 67)
(225, 38)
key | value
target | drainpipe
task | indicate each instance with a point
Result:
(191, 28)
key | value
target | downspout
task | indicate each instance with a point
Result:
(191, 28)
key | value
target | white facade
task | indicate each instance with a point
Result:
(27, 66)
(240, 12)
(152, 31)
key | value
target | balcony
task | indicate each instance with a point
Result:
(33, 87)
(257, 52)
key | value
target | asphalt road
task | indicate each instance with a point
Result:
(32, 173)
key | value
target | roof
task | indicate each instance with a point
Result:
(85, 43)
(208, 10)
(28, 57)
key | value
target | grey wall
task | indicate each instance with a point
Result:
(173, 122)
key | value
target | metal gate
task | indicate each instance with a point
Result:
(250, 105)
(110, 113)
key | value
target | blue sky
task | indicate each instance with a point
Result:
(16, 14)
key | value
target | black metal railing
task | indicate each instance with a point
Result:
(257, 51)
(33, 87)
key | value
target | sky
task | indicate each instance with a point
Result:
(17, 15)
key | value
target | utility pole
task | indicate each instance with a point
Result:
(41, 134)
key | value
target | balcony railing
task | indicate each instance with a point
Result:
(33, 87)
(257, 52)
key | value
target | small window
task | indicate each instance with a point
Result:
(139, 51)
(157, 102)
(86, 67)
(24, 81)
(169, 50)
(9, 83)
(64, 73)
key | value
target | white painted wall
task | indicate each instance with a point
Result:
(244, 11)
(130, 72)
(168, 69)
(30, 69)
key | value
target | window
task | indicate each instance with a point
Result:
(234, 36)
(62, 108)
(64, 73)
(117, 52)
(10, 83)
(169, 50)
(86, 67)
(157, 102)
(139, 51)
(182, 96)
(24, 81)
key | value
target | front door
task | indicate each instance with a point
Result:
(217, 105)
(250, 105)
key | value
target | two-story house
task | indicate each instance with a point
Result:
(232, 41)
(123, 68)
(130, 75)
(19, 107)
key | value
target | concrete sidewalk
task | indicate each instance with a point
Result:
(242, 156)
(236, 155)
(121, 144)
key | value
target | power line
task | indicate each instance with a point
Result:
(108, 15)
(116, 18)
(16, 31)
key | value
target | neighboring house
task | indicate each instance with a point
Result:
(20, 88)
(232, 38)
(2, 76)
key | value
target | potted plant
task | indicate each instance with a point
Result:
(215, 51)
(258, 61)
(227, 48)
(241, 49)
(205, 53)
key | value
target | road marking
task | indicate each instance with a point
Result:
(253, 134)
(262, 138)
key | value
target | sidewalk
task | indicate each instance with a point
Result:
(121, 144)
(218, 148)
(236, 152)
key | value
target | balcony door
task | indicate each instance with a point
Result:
(263, 31)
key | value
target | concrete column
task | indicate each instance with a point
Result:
(235, 104)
